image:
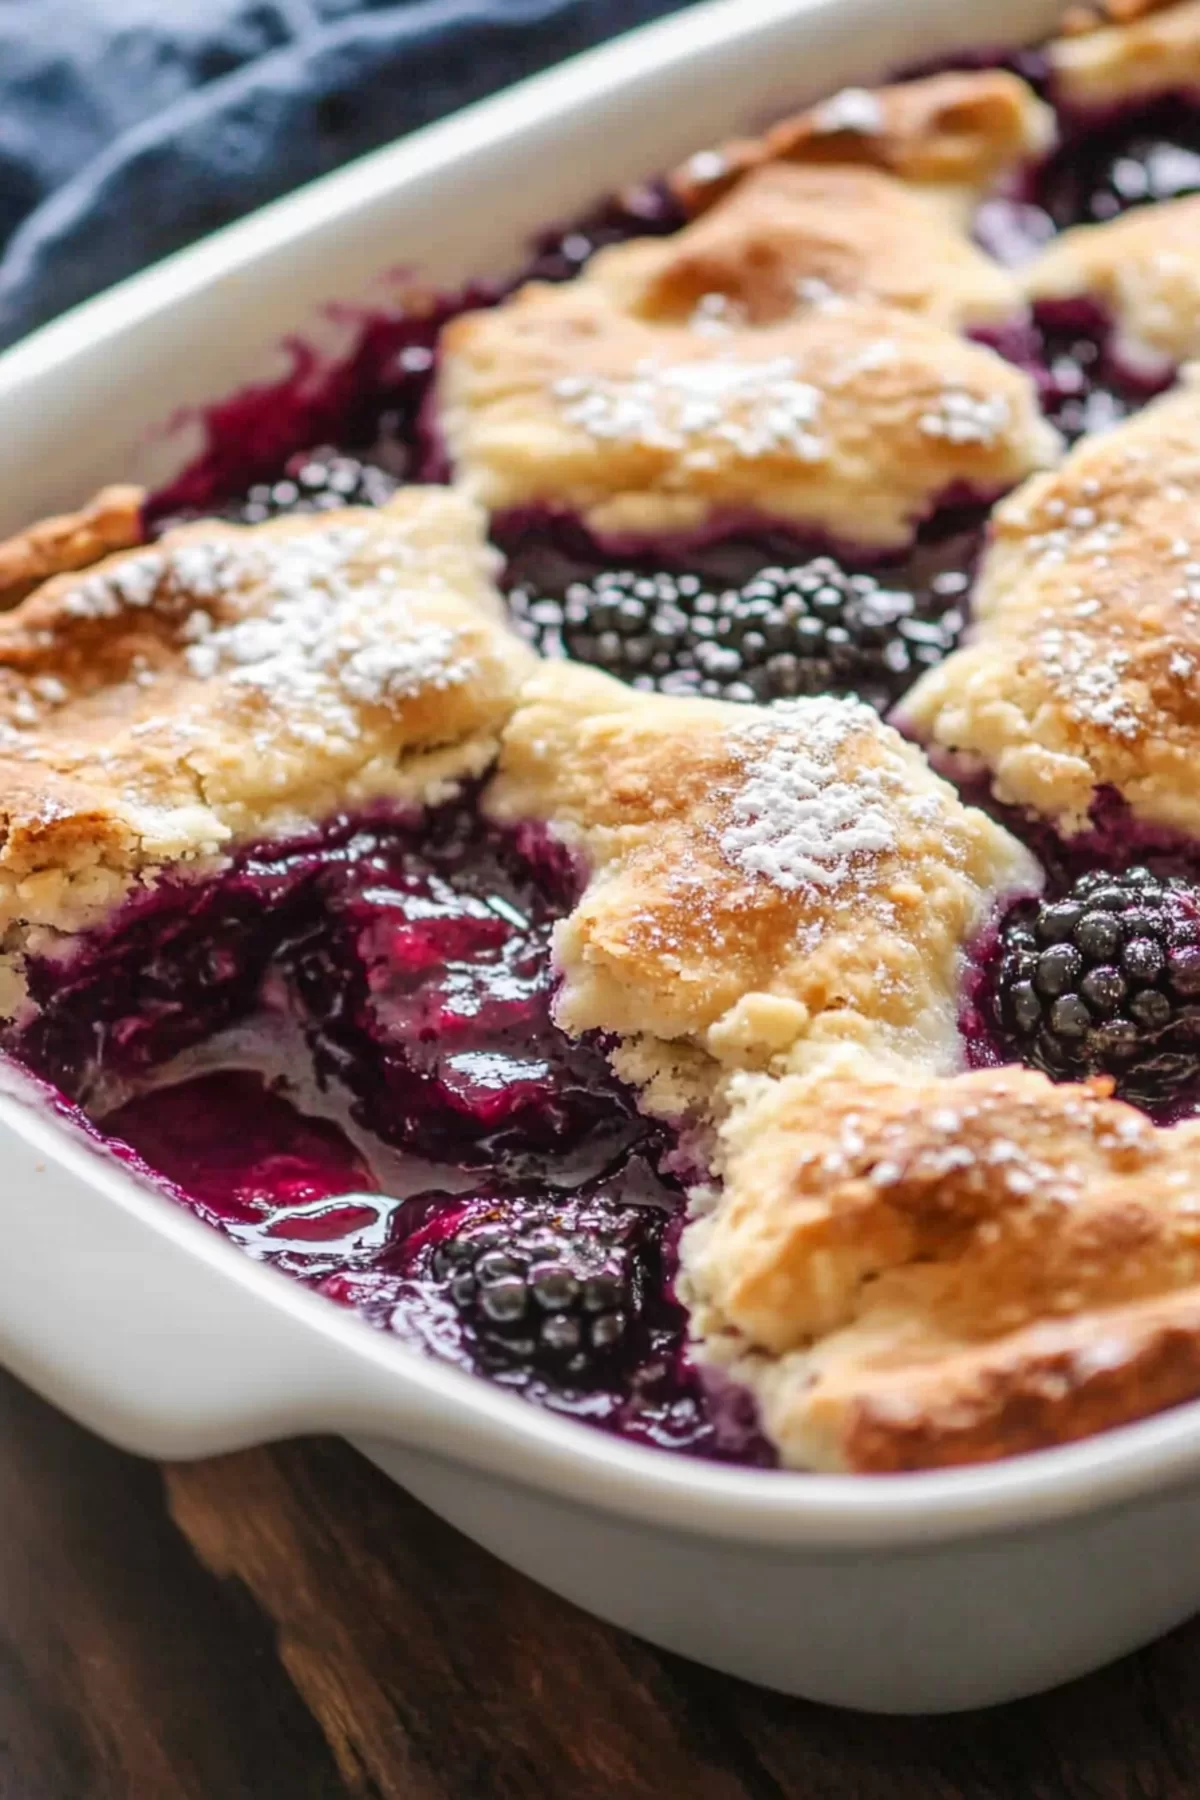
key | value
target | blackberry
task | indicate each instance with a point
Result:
(558, 1286)
(812, 629)
(1106, 980)
(318, 480)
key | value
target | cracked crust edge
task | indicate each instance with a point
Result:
(67, 542)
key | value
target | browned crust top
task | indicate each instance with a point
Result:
(959, 128)
(111, 520)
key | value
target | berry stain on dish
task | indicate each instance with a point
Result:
(583, 952)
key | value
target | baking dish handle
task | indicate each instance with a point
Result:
(146, 1326)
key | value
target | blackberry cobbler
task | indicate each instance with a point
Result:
(643, 836)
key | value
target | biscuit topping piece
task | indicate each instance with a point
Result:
(231, 683)
(762, 881)
(955, 135)
(793, 357)
(854, 420)
(797, 235)
(1145, 50)
(922, 1273)
(1081, 671)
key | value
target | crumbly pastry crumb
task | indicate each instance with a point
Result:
(1080, 673)
(919, 1273)
(111, 520)
(233, 683)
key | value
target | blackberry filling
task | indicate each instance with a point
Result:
(178, 965)
(1105, 980)
(811, 629)
(426, 982)
(415, 957)
(1085, 386)
(561, 1294)
(560, 253)
(414, 954)
(290, 1189)
(1145, 154)
(315, 481)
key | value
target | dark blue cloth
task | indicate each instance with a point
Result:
(131, 127)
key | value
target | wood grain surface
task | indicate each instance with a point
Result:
(286, 1625)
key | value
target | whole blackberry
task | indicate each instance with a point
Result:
(559, 1287)
(318, 480)
(812, 629)
(1106, 980)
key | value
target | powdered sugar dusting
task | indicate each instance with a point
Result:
(755, 408)
(853, 109)
(959, 417)
(1089, 675)
(326, 620)
(319, 624)
(203, 570)
(985, 1144)
(799, 820)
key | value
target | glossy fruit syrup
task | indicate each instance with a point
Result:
(340, 1053)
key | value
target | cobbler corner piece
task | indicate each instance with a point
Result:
(230, 684)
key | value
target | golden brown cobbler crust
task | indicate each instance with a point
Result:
(233, 682)
(791, 357)
(797, 235)
(763, 882)
(959, 132)
(919, 1273)
(855, 420)
(111, 520)
(1138, 51)
(1081, 671)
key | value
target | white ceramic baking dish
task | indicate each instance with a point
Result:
(909, 1593)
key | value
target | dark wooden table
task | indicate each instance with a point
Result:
(286, 1625)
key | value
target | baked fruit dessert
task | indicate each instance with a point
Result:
(643, 837)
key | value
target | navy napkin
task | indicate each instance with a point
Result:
(131, 127)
